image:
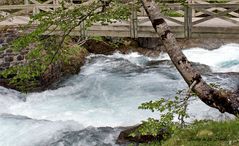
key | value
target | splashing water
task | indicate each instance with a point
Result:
(106, 92)
(224, 59)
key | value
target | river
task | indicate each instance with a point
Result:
(89, 108)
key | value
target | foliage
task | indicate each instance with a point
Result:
(23, 77)
(169, 109)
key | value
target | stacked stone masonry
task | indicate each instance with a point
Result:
(8, 57)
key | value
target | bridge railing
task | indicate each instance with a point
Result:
(187, 20)
(201, 14)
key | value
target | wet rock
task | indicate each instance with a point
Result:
(1, 56)
(150, 43)
(24, 52)
(91, 136)
(20, 57)
(99, 47)
(229, 80)
(207, 43)
(8, 51)
(4, 44)
(75, 62)
(202, 68)
(1, 41)
(9, 39)
(106, 48)
(125, 137)
(160, 62)
(8, 58)
(5, 65)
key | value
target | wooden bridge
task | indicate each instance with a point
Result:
(195, 20)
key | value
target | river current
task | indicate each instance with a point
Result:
(88, 109)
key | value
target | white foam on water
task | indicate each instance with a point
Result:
(223, 59)
(107, 92)
(22, 131)
(8, 98)
(90, 105)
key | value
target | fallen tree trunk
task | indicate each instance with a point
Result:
(223, 100)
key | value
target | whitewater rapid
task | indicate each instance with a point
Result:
(106, 93)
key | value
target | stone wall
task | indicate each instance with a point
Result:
(8, 57)
(8, 34)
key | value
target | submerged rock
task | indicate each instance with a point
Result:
(91, 136)
(202, 68)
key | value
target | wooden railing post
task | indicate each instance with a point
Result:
(55, 2)
(190, 17)
(82, 30)
(26, 2)
(134, 22)
(193, 11)
(188, 21)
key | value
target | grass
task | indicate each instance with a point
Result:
(207, 133)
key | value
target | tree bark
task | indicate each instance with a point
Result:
(223, 100)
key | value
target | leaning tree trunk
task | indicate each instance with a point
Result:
(223, 100)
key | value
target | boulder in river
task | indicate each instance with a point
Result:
(125, 136)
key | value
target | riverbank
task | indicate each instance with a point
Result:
(210, 133)
(198, 133)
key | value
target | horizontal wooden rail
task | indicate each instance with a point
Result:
(214, 5)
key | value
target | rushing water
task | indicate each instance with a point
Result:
(105, 94)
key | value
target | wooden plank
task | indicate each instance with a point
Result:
(151, 29)
(204, 6)
(30, 6)
(205, 2)
(231, 30)
(21, 12)
(214, 35)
